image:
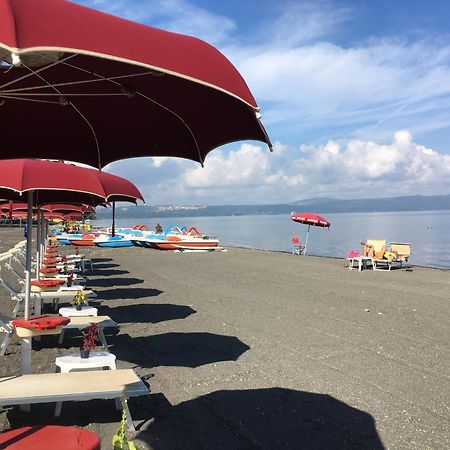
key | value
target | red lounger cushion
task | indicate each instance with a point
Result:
(49, 270)
(45, 322)
(48, 262)
(47, 283)
(46, 437)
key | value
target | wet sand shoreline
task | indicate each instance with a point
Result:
(255, 349)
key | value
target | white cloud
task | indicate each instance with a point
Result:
(300, 23)
(173, 15)
(327, 82)
(250, 174)
(368, 169)
(341, 100)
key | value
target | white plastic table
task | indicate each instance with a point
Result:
(85, 263)
(71, 311)
(96, 359)
(74, 361)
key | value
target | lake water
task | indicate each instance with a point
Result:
(427, 231)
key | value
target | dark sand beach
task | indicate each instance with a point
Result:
(263, 350)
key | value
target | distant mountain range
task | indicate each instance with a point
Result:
(317, 205)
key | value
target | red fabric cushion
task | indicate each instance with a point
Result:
(47, 283)
(46, 437)
(49, 270)
(45, 322)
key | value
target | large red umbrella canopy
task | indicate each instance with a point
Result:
(64, 208)
(71, 216)
(59, 182)
(310, 219)
(13, 206)
(108, 89)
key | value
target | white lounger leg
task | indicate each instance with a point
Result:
(5, 343)
(102, 338)
(130, 423)
(61, 337)
(58, 408)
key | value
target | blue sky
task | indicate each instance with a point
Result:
(354, 94)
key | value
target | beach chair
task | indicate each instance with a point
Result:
(375, 248)
(385, 259)
(72, 386)
(79, 323)
(297, 247)
(77, 280)
(7, 329)
(38, 297)
(402, 249)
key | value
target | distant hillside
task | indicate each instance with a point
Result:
(318, 205)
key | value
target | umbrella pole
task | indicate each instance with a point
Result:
(38, 242)
(113, 219)
(307, 235)
(25, 348)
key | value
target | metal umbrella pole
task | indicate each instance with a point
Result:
(307, 235)
(38, 243)
(25, 350)
(113, 219)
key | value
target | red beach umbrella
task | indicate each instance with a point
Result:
(54, 182)
(63, 208)
(59, 182)
(73, 216)
(310, 219)
(13, 206)
(113, 89)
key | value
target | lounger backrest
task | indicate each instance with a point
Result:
(377, 244)
(402, 248)
(5, 257)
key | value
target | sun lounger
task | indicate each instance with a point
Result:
(387, 259)
(38, 297)
(402, 249)
(387, 264)
(20, 275)
(378, 246)
(79, 323)
(72, 386)
(7, 328)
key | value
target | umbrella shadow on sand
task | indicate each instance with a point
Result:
(128, 293)
(147, 312)
(177, 349)
(116, 281)
(108, 273)
(102, 266)
(273, 418)
(101, 260)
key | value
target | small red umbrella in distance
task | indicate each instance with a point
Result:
(310, 219)
(100, 88)
(64, 208)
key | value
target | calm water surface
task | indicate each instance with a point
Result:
(427, 231)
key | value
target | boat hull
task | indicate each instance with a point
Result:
(114, 244)
(82, 242)
(187, 244)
